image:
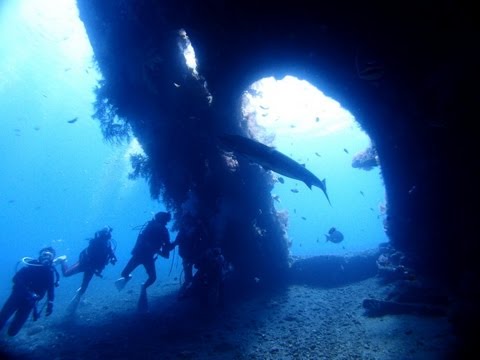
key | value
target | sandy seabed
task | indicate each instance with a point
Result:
(297, 322)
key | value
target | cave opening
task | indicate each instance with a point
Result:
(296, 118)
(74, 191)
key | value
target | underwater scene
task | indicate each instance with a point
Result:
(106, 256)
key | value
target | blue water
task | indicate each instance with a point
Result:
(60, 181)
(355, 214)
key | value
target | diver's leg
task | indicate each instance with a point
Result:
(152, 276)
(125, 275)
(187, 272)
(87, 277)
(8, 309)
(151, 272)
(131, 265)
(188, 277)
(72, 307)
(69, 271)
(20, 317)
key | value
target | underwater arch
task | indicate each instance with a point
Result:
(299, 120)
(428, 205)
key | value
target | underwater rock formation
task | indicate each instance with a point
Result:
(404, 70)
(366, 159)
(149, 91)
(334, 270)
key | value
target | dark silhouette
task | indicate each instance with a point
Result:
(208, 281)
(153, 239)
(192, 241)
(30, 284)
(92, 261)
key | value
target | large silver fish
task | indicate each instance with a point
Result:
(271, 159)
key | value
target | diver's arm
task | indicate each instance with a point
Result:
(51, 287)
(112, 257)
(20, 280)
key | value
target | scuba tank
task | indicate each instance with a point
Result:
(29, 261)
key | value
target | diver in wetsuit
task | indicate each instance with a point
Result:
(154, 239)
(208, 281)
(30, 284)
(92, 261)
(192, 241)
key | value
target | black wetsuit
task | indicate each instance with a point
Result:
(191, 241)
(209, 279)
(152, 240)
(92, 260)
(30, 284)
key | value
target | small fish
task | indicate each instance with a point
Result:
(346, 151)
(318, 154)
(334, 236)
(36, 128)
(304, 218)
(361, 192)
(72, 120)
(371, 71)
(276, 198)
(67, 69)
(294, 190)
(317, 119)
(281, 180)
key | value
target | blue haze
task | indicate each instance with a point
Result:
(60, 181)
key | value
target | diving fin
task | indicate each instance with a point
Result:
(72, 307)
(121, 282)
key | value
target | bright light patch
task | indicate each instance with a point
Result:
(133, 148)
(188, 51)
(58, 21)
(293, 107)
(190, 58)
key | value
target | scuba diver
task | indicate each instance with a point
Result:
(208, 281)
(192, 241)
(153, 239)
(92, 261)
(30, 284)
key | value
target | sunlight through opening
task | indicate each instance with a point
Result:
(300, 121)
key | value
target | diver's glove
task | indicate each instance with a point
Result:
(49, 308)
